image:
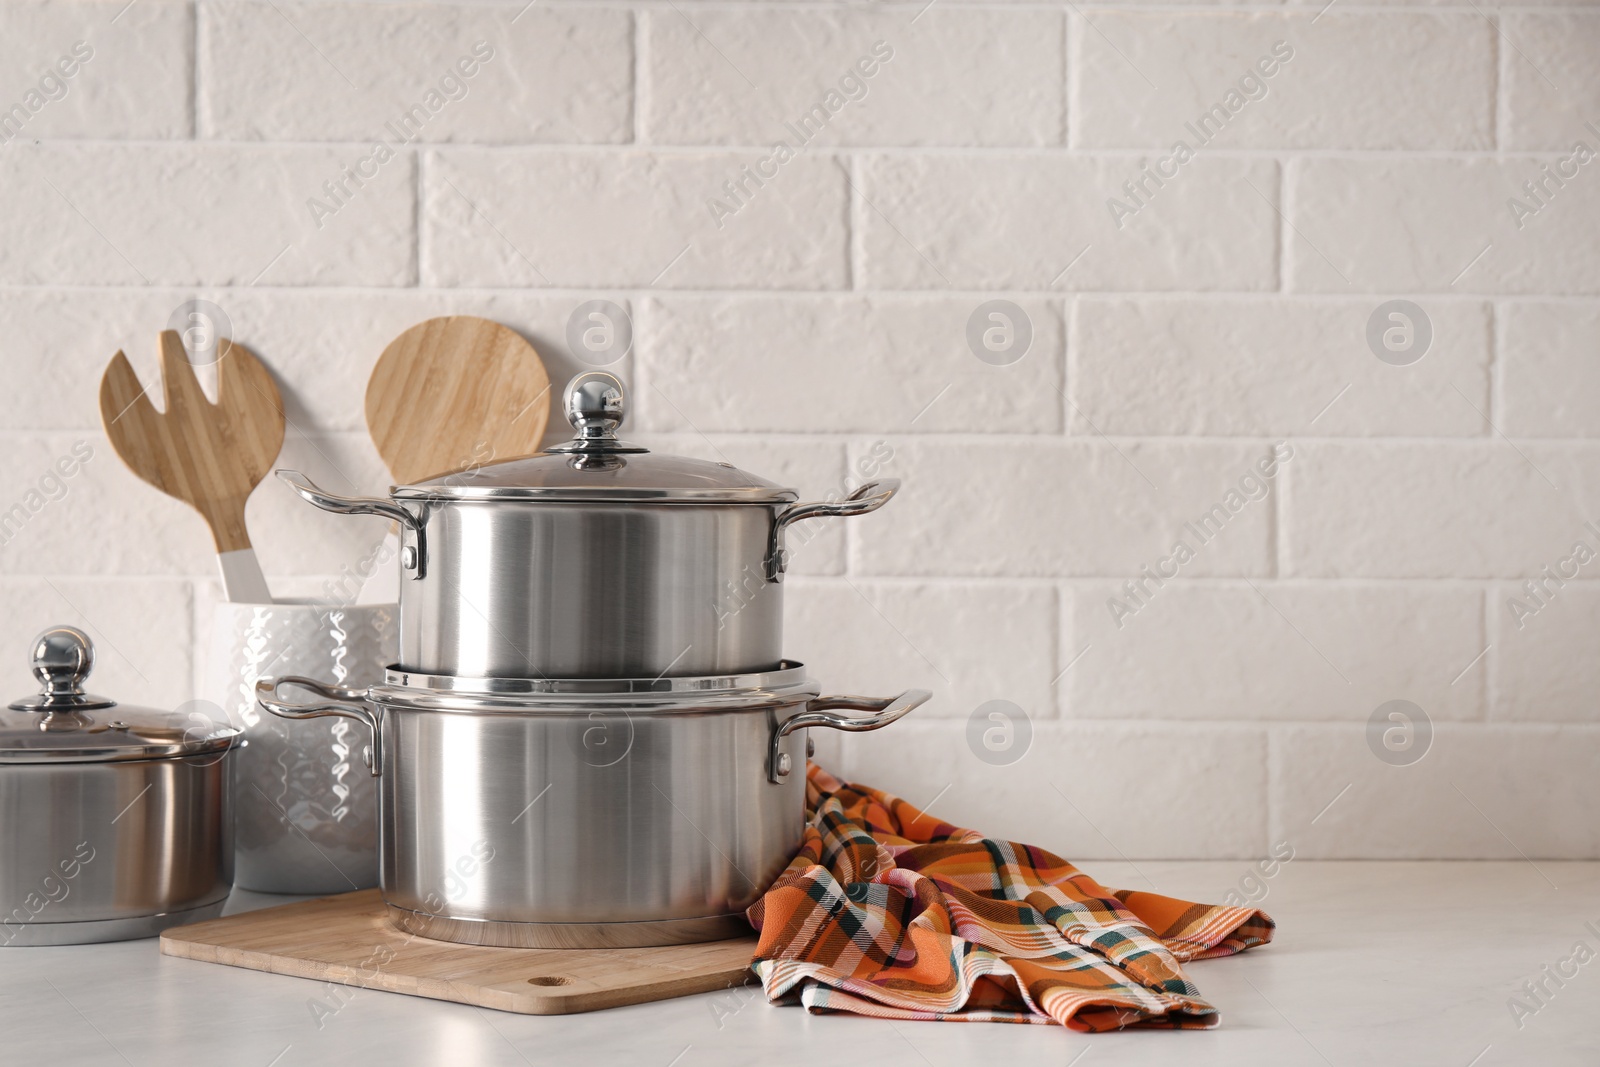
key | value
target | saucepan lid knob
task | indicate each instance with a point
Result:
(595, 404)
(62, 658)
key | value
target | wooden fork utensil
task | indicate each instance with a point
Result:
(210, 456)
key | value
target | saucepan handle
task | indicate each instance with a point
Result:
(824, 711)
(364, 505)
(337, 701)
(869, 497)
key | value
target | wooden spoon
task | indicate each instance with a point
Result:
(454, 393)
(208, 455)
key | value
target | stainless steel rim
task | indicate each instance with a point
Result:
(787, 674)
(595, 495)
(502, 934)
(96, 931)
(638, 696)
(721, 701)
(210, 750)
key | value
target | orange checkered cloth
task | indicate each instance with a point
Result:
(887, 911)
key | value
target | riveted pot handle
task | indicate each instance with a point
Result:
(362, 505)
(869, 497)
(338, 701)
(823, 711)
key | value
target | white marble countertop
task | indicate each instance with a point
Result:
(1375, 963)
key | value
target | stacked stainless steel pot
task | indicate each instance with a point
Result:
(592, 737)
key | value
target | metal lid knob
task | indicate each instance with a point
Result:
(595, 404)
(62, 658)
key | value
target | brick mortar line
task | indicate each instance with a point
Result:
(1496, 370)
(196, 71)
(1492, 658)
(1062, 648)
(855, 233)
(639, 60)
(1499, 81)
(1069, 364)
(1294, 7)
(979, 295)
(1071, 105)
(998, 153)
(1280, 248)
(1278, 517)
(420, 222)
(975, 295)
(1273, 768)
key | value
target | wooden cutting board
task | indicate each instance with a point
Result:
(347, 939)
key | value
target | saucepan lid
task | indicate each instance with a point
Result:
(597, 466)
(63, 723)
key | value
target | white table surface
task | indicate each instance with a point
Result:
(1375, 963)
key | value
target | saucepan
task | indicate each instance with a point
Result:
(114, 819)
(586, 813)
(593, 559)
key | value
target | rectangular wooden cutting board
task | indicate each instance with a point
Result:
(347, 939)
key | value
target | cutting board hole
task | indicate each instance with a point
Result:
(550, 979)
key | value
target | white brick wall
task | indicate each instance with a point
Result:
(803, 315)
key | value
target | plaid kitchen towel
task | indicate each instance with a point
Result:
(887, 911)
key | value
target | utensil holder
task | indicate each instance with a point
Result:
(305, 805)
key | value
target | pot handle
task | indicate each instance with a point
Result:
(821, 712)
(338, 701)
(869, 497)
(362, 505)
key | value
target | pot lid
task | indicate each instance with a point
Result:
(63, 723)
(597, 466)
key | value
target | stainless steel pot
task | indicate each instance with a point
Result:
(593, 559)
(114, 820)
(597, 813)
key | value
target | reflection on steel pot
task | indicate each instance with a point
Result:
(114, 820)
(593, 559)
(586, 813)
